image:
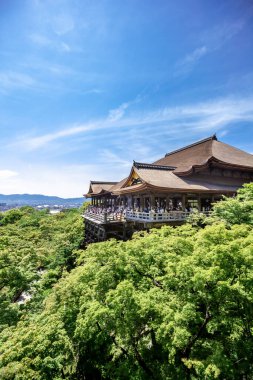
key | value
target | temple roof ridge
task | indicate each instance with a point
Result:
(142, 165)
(103, 182)
(211, 138)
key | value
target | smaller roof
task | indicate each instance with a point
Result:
(99, 187)
(118, 185)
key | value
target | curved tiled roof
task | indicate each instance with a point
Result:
(118, 185)
(168, 181)
(231, 155)
(171, 173)
(199, 153)
(99, 187)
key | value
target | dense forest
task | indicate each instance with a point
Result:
(171, 303)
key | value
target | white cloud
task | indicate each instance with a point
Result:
(65, 180)
(217, 36)
(37, 142)
(223, 133)
(111, 157)
(118, 113)
(65, 47)
(209, 116)
(53, 43)
(63, 24)
(40, 39)
(6, 174)
(211, 40)
(187, 63)
(12, 79)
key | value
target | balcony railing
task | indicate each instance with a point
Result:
(138, 216)
(152, 216)
(105, 217)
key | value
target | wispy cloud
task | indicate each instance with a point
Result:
(12, 79)
(63, 23)
(6, 174)
(42, 40)
(187, 63)
(118, 113)
(62, 180)
(220, 34)
(211, 40)
(209, 116)
(109, 156)
(37, 142)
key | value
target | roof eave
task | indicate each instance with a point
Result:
(206, 164)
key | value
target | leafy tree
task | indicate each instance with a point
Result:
(239, 209)
(175, 303)
(33, 246)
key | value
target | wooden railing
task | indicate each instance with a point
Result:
(152, 216)
(104, 218)
(138, 216)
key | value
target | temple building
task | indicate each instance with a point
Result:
(167, 190)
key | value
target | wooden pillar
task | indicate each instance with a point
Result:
(141, 202)
(152, 201)
(167, 202)
(199, 202)
(183, 201)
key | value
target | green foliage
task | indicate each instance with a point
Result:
(175, 303)
(10, 217)
(237, 210)
(84, 206)
(33, 244)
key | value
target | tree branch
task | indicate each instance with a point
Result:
(155, 282)
(112, 336)
(187, 350)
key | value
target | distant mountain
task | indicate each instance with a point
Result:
(38, 199)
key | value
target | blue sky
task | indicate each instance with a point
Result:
(88, 86)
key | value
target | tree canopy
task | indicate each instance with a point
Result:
(174, 303)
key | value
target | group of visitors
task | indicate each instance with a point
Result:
(159, 207)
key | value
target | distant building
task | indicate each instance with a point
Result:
(167, 190)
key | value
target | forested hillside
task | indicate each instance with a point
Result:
(175, 303)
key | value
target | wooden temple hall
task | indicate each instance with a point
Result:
(167, 190)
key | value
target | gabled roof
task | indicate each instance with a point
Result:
(204, 151)
(165, 180)
(211, 138)
(118, 185)
(171, 173)
(99, 187)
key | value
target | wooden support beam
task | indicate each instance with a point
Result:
(183, 202)
(141, 202)
(199, 202)
(152, 201)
